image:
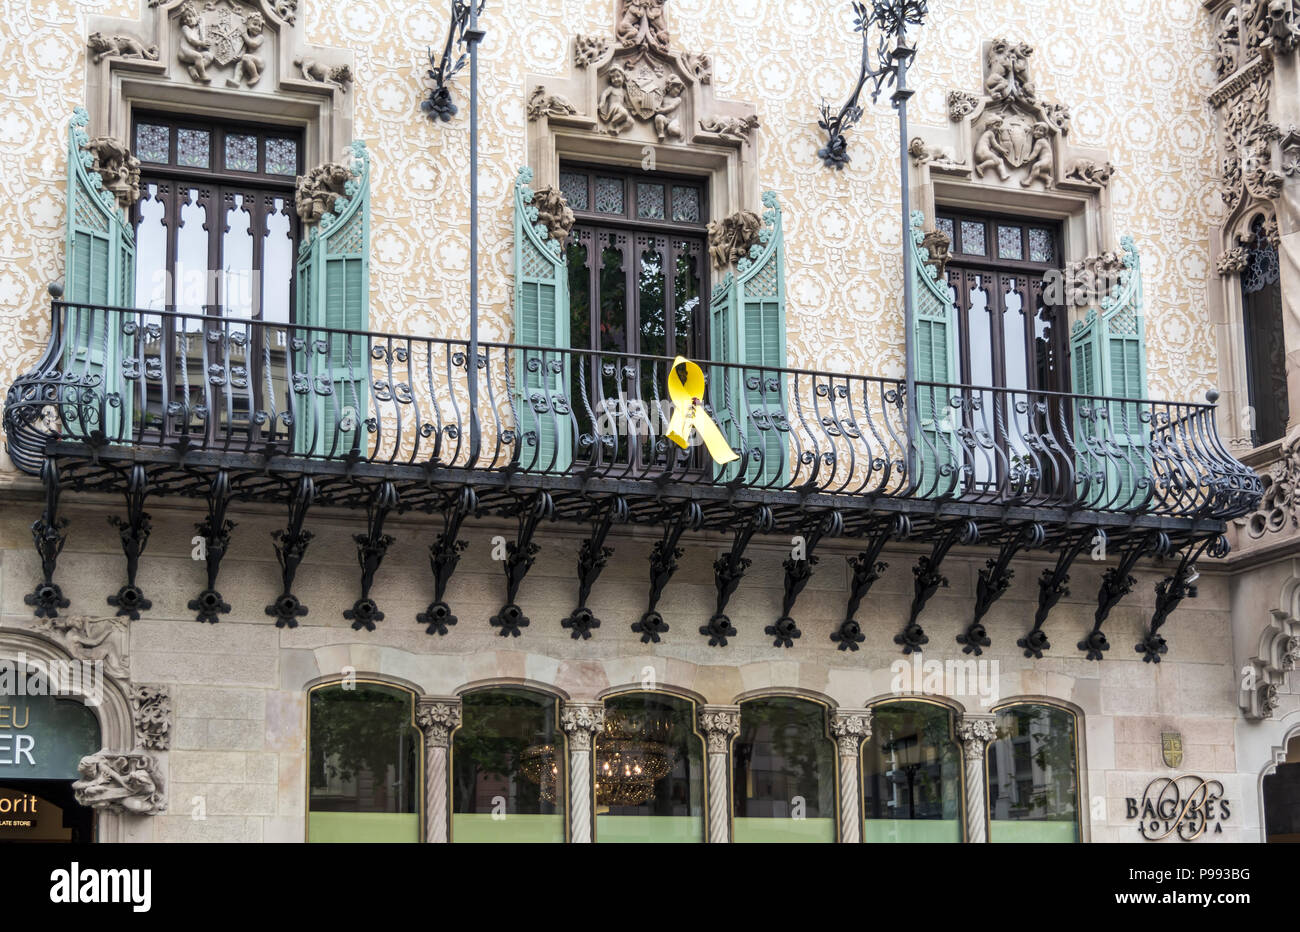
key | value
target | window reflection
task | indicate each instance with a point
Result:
(1032, 776)
(911, 775)
(784, 773)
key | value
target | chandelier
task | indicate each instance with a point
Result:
(632, 754)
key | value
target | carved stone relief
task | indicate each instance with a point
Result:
(119, 169)
(731, 238)
(101, 46)
(641, 24)
(339, 76)
(317, 190)
(542, 104)
(1089, 171)
(151, 708)
(93, 639)
(1265, 676)
(938, 247)
(553, 213)
(126, 782)
(223, 36)
(740, 129)
(1091, 280)
(941, 158)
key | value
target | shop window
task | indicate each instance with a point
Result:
(911, 775)
(1033, 777)
(1261, 298)
(649, 767)
(508, 768)
(1282, 798)
(783, 782)
(364, 749)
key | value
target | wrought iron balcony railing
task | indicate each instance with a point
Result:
(135, 384)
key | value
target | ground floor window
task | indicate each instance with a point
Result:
(1033, 775)
(911, 775)
(649, 771)
(364, 749)
(1282, 798)
(783, 779)
(508, 768)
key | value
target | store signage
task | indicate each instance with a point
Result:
(1188, 807)
(44, 737)
(18, 810)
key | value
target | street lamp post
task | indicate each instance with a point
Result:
(886, 64)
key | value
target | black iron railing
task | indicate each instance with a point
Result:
(114, 379)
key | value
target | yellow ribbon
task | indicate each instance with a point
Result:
(689, 413)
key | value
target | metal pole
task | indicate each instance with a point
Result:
(903, 54)
(473, 36)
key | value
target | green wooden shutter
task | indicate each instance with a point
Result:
(1108, 358)
(100, 274)
(539, 378)
(938, 454)
(334, 291)
(747, 326)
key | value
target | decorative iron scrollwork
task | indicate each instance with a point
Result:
(592, 557)
(214, 530)
(371, 548)
(798, 571)
(1117, 582)
(48, 533)
(663, 564)
(444, 555)
(290, 549)
(1053, 585)
(994, 580)
(729, 570)
(439, 105)
(929, 580)
(866, 568)
(520, 554)
(1171, 590)
(134, 532)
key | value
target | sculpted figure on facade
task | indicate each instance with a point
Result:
(316, 192)
(938, 156)
(250, 65)
(731, 238)
(1277, 23)
(126, 782)
(93, 639)
(1093, 279)
(665, 119)
(119, 169)
(1042, 161)
(102, 46)
(990, 152)
(553, 212)
(541, 104)
(738, 128)
(194, 51)
(338, 75)
(1091, 172)
(1007, 72)
(642, 23)
(613, 110)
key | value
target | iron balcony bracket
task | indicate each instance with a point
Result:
(520, 555)
(290, 549)
(1053, 585)
(371, 548)
(134, 531)
(994, 580)
(592, 557)
(1171, 590)
(663, 564)
(929, 580)
(729, 570)
(797, 573)
(1117, 582)
(867, 568)
(214, 531)
(444, 555)
(49, 536)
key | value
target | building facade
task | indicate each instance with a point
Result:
(679, 548)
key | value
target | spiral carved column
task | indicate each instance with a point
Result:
(437, 718)
(975, 732)
(581, 721)
(850, 727)
(719, 724)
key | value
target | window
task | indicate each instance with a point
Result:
(649, 766)
(1282, 798)
(1033, 776)
(216, 236)
(783, 782)
(1261, 303)
(508, 768)
(911, 775)
(365, 753)
(1007, 337)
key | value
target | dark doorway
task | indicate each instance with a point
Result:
(43, 811)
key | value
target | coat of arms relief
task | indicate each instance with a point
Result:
(221, 35)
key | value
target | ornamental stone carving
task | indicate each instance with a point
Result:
(224, 36)
(1006, 71)
(961, 105)
(850, 729)
(738, 128)
(437, 719)
(119, 169)
(732, 238)
(151, 710)
(1279, 508)
(317, 191)
(553, 212)
(642, 91)
(1265, 674)
(938, 248)
(1248, 142)
(699, 65)
(101, 46)
(975, 735)
(1227, 43)
(1233, 261)
(339, 76)
(1089, 281)
(581, 721)
(1090, 172)
(94, 640)
(542, 104)
(588, 50)
(940, 157)
(641, 24)
(126, 782)
(719, 727)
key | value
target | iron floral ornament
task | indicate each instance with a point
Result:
(439, 105)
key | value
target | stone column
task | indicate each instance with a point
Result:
(581, 721)
(437, 718)
(850, 727)
(719, 723)
(975, 731)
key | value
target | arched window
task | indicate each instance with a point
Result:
(508, 767)
(649, 771)
(365, 754)
(1033, 776)
(1282, 798)
(783, 783)
(911, 775)
(1261, 318)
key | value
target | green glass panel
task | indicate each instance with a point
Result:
(363, 827)
(783, 831)
(649, 829)
(483, 828)
(912, 831)
(1039, 833)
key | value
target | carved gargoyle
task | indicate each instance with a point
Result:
(317, 190)
(102, 46)
(126, 782)
(338, 75)
(118, 167)
(553, 213)
(731, 238)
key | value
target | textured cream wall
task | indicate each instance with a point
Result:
(1135, 80)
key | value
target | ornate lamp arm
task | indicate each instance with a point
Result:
(439, 105)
